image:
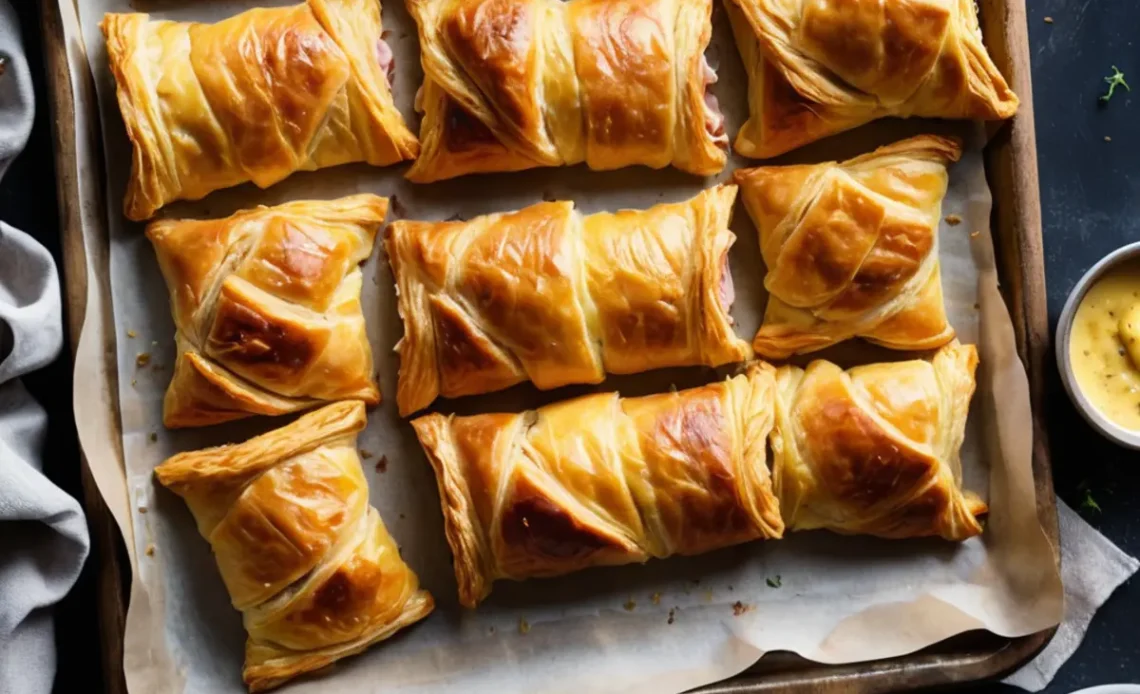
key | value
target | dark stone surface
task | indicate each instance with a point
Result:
(1090, 195)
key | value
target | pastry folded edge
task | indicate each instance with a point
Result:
(235, 464)
(267, 667)
(474, 567)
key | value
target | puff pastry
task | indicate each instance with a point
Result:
(602, 480)
(305, 558)
(852, 248)
(874, 450)
(548, 295)
(516, 84)
(255, 97)
(819, 67)
(266, 308)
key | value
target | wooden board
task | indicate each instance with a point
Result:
(1011, 165)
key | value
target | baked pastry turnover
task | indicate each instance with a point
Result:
(874, 450)
(255, 97)
(602, 480)
(515, 84)
(266, 308)
(852, 248)
(305, 558)
(819, 67)
(552, 296)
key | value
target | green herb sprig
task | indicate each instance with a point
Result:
(1116, 79)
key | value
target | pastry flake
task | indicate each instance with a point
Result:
(852, 248)
(874, 450)
(601, 480)
(255, 97)
(819, 67)
(266, 307)
(555, 297)
(517, 84)
(303, 555)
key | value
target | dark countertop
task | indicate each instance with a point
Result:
(1090, 199)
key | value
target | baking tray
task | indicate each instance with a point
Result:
(1011, 167)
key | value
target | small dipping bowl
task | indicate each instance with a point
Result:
(1107, 428)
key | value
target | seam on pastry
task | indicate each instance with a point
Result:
(294, 403)
(589, 307)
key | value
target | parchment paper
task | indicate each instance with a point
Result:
(604, 630)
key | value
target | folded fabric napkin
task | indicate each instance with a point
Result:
(1091, 569)
(43, 535)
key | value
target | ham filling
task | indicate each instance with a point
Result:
(727, 288)
(714, 119)
(386, 60)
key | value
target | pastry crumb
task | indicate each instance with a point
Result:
(365, 453)
(382, 464)
(142, 509)
(153, 437)
(1107, 138)
(730, 588)
(977, 307)
(655, 598)
(150, 550)
(402, 516)
(739, 608)
(630, 605)
(491, 630)
(1048, 20)
(975, 234)
(953, 220)
(142, 359)
(524, 626)
(132, 334)
(672, 615)
(134, 382)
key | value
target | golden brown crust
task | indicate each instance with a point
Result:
(255, 97)
(852, 248)
(821, 67)
(304, 557)
(266, 306)
(601, 480)
(548, 295)
(874, 450)
(516, 84)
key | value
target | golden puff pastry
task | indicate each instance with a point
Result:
(305, 558)
(874, 450)
(266, 308)
(516, 84)
(555, 297)
(602, 480)
(255, 97)
(819, 67)
(852, 248)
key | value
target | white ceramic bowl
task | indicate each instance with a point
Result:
(1114, 432)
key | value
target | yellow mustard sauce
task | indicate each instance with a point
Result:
(1105, 345)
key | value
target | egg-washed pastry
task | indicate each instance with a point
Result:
(819, 67)
(255, 97)
(266, 308)
(555, 297)
(305, 558)
(852, 248)
(874, 450)
(516, 84)
(603, 480)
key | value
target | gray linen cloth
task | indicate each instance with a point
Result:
(43, 535)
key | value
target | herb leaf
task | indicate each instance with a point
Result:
(774, 582)
(1116, 79)
(1088, 503)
